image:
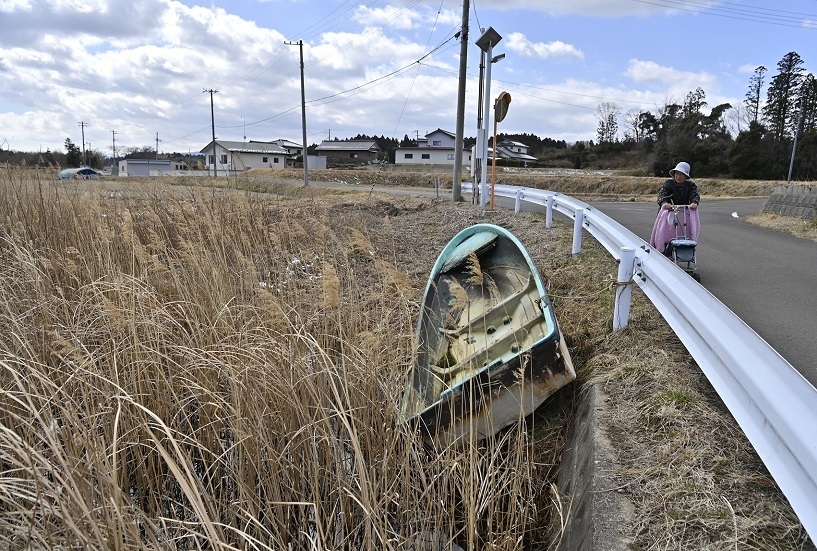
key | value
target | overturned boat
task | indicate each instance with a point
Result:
(489, 350)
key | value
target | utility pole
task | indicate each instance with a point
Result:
(213, 128)
(157, 146)
(796, 134)
(82, 125)
(304, 155)
(115, 163)
(456, 187)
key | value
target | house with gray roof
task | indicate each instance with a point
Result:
(348, 151)
(509, 149)
(238, 156)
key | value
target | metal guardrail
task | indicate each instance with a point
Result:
(775, 406)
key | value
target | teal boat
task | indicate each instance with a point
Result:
(488, 347)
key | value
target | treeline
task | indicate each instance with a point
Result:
(753, 140)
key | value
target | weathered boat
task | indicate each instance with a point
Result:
(488, 347)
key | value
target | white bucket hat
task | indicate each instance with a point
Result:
(681, 167)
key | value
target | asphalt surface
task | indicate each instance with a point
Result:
(765, 277)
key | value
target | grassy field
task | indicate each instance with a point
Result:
(190, 366)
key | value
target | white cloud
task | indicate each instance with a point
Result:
(519, 43)
(650, 72)
(8, 6)
(397, 18)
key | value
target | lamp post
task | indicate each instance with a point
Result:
(486, 43)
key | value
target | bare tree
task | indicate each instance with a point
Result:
(737, 119)
(632, 129)
(607, 114)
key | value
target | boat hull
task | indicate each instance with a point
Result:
(489, 350)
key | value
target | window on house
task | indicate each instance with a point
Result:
(210, 160)
(264, 159)
(353, 155)
(275, 160)
(437, 142)
(425, 155)
(409, 155)
(450, 156)
(224, 159)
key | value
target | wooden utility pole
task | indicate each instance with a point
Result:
(300, 44)
(213, 128)
(113, 148)
(82, 125)
(456, 188)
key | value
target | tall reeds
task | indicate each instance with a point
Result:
(200, 368)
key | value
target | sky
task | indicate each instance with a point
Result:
(130, 73)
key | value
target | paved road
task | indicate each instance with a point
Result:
(767, 278)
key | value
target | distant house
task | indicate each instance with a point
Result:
(149, 167)
(438, 138)
(436, 148)
(238, 156)
(509, 149)
(348, 151)
(294, 149)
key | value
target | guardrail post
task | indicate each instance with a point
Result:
(518, 206)
(624, 288)
(549, 212)
(578, 222)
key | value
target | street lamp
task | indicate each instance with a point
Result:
(486, 43)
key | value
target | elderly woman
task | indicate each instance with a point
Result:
(679, 190)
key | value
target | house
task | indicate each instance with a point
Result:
(348, 151)
(437, 138)
(295, 149)
(237, 156)
(436, 148)
(149, 167)
(509, 149)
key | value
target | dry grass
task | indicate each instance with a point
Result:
(189, 366)
(692, 475)
(185, 367)
(583, 184)
(798, 227)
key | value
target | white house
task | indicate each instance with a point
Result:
(149, 167)
(436, 148)
(237, 156)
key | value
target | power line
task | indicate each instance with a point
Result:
(745, 13)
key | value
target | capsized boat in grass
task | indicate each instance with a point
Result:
(489, 349)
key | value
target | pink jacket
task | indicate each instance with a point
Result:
(664, 229)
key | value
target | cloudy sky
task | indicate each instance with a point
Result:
(377, 67)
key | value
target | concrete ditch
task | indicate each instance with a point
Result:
(597, 511)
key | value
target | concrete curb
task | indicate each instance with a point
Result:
(597, 511)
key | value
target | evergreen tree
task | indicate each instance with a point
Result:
(808, 103)
(752, 100)
(781, 97)
(694, 102)
(749, 156)
(73, 157)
